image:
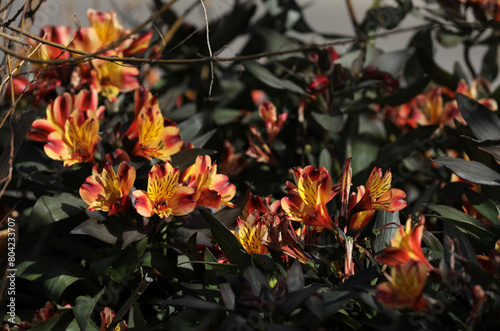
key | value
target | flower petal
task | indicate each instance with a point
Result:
(182, 202)
(143, 203)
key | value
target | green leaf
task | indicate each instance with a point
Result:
(275, 42)
(489, 69)
(449, 38)
(364, 149)
(233, 24)
(194, 125)
(227, 241)
(387, 225)
(265, 76)
(487, 207)
(185, 159)
(136, 320)
(333, 124)
(200, 141)
(294, 299)
(390, 155)
(132, 235)
(472, 171)
(325, 160)
(481, 120)
(295, 277)
(193, 302)
(392, 62)
(83, 308)
(96, 229)
(467, 224)
(493, 150)
(57, 280)
(462, 245)
(227, 295)
(435, 248)
(256, 279)
(48, 210)
(224, 116)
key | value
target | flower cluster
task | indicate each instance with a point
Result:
(409, 269)
(104, 36)
(438, 105)
(263, 224)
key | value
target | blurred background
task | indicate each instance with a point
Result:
(324, 16)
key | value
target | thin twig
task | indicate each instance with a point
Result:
(209, 50)
(352, 15)
(132, 60)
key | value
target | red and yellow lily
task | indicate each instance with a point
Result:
(405, 246)
(307, 198)
(211, 189)
(404, 288)
(78, 142)
(376, 196)
(109, 191)
(164, 195)
(274, 122)
(111, 78)
(251, 236)
(156, 136)
(59, 111)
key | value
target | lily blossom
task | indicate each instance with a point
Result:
(78, 142)
(377, 196)
(307, 198)
(164, 196)
(211, 189)
(251, 236)
(59, 111)
(274, 122)
(156, 136)
(111, 78)
(405, 246)
(106, 25)
(108, 191)
(404, 288)
(57, 34)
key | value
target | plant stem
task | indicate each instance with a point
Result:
(130, 302)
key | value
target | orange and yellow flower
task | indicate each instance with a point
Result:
(377, 196)
(211, 189)
(59, 111)
(111, 78)
(56, 34)
(251, 236)
(78, 142)
(405, 246)
(307, 198)
(156, 136)
(105, 30)
(274, 122)
(109, 191)
(404, 288)
(164, 196)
